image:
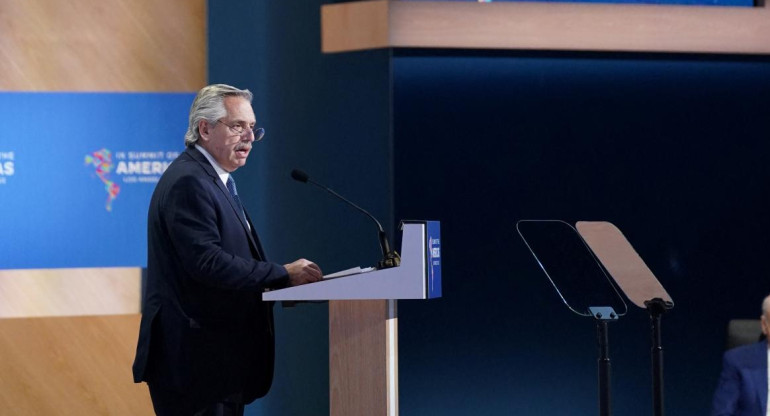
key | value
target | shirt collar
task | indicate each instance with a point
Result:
(223, 174)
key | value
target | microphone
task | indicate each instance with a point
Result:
(390, 258)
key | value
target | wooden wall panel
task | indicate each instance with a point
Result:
(81, 365)
(106, 45)
(545, 26)
(69, 292)
(70, 366)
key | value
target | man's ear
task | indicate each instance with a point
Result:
(203, 129)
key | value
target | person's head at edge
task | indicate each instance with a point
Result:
(766, 317)
(221, 121)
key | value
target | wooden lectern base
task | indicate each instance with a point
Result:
(363, 358)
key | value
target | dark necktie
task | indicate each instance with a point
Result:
(234, 193)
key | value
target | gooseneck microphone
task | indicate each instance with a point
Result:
(390, 258)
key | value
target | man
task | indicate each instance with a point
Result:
(206, 342)
(743, 386)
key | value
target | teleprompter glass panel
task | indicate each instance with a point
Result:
(570, 265)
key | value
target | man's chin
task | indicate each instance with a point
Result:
(237, 164)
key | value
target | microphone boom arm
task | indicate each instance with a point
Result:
(379, 226)
(390, 258)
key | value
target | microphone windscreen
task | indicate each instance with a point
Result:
(299, 175)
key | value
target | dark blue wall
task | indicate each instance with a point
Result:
(671, 149)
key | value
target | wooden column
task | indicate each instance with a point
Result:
(363, 358)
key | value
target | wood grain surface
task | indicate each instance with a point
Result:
(69, 292)
(545, 26)
(70, 366)
(358, 357)
(105, 45)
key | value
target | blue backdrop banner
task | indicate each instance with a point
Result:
(77, 171)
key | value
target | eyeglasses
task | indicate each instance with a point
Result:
(258, 132)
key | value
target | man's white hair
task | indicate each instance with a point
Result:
(209, 105)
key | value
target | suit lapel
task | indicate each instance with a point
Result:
(201, 159)
(255, 238)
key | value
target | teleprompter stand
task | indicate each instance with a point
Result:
(580, 282)
(561, 253)
(638, 283)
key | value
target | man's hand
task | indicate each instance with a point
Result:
(303, 271)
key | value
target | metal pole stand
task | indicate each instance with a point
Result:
(636, 280)
(604, 315)
(656, 308)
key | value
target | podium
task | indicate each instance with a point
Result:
(363, 321)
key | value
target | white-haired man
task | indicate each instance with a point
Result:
(206, 341)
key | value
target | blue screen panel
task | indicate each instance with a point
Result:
(77, 171)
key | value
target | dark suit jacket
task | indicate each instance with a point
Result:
(205, 331)
(742, 389)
